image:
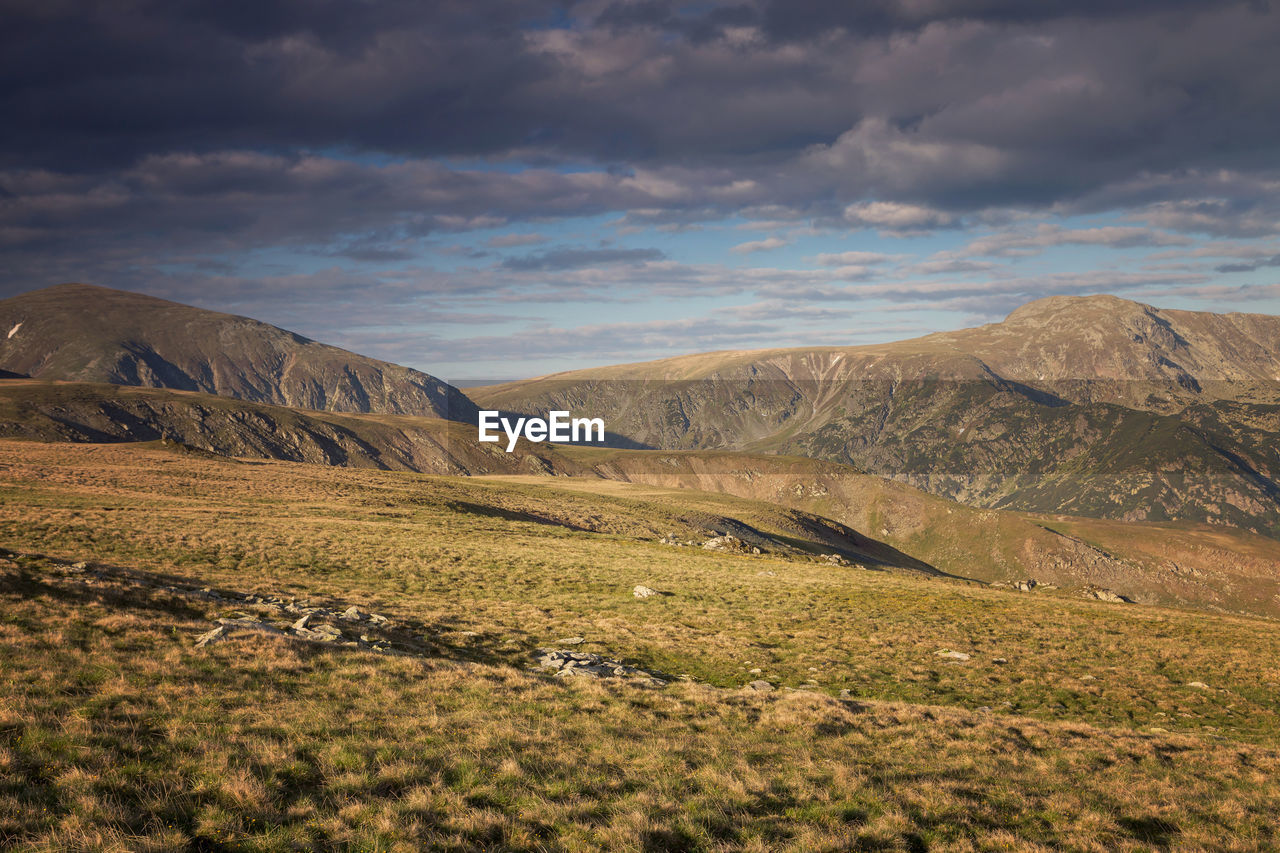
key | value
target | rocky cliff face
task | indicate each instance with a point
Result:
(80, 333)
(1093, 406)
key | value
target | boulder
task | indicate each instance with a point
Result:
(1106, 595)
(211, 637)
(727, 543)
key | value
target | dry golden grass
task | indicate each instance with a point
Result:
(116, 733)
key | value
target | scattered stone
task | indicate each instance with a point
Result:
(588, 664)
(642, 591)
(729, 543)
(1106, 595)
(835, 560)
(756, 671)
(302, 623)
(211, 636)
(353, 614)
(950, 655)
(571, 641)
(1199, 685)
(761, 686)
(1026, 585)
(1000, 661)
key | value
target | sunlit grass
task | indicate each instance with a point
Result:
(116, 733)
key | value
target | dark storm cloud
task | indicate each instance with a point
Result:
(1030, 100)
(805, 19)
(102, 82)
(153, 133)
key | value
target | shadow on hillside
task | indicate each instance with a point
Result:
(191, 599)
(484, 511)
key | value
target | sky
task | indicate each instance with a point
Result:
(495, 190)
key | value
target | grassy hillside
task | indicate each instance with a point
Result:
(1070, 723)
(1213, 567)
(863, 517)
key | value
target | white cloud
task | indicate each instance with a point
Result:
(897, 217)
(765, 245)
(844, 259)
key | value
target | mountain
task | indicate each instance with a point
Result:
(81, 333)
(97, 413)
(1091, 405)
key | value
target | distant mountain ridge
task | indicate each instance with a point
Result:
(1066, 341)
(1089, 405)
(83, 333)
(39, 410)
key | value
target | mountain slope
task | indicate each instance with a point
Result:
(819, 504)
(1085, 405)
(78, 332)
(1186, 565)
(98, 413)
